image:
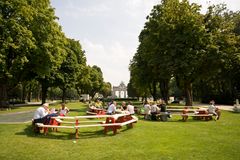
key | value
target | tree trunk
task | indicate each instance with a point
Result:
(164, 88)
(3, 96)
(29, 97)
(78, 92)
(145, 97)
(38, 95)
(188, 93)
(64, 95)
(29, 94)
(92, 94)
(44, 91)
(23, 95)
(153, 90)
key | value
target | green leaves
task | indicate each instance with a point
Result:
(179, 41)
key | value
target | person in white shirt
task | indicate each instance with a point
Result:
(212, 109)
(40, 113)
(63, 110)
(154, 111)
(112, 108)
(40, 116)
(130, 108)
(147, 110)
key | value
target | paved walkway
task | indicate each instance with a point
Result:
(18, 117)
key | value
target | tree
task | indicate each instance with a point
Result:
(66, 77)
(106, 89)
(16, 43)
(221, 84)
(90, 81)
(50, 49)
(96, 79)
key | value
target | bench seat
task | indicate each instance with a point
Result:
(113, 122)
(91, 113)
(197, 116)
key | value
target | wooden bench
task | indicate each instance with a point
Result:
(112, 122)
(206, 117)
(96, 111)
(91, 113)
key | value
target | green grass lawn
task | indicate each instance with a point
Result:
(147, 140)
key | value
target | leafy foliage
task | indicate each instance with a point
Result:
(178, 41)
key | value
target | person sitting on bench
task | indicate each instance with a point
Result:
(130, 108)
(185, 112)
(41, 115)
(63, 110)
(112, 108)
(212, 109)
(154, 110)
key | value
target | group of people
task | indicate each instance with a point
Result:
(43, 114)
(212, 109)
(153, 108)
(96, 104)
(113, 108)
(124, 108)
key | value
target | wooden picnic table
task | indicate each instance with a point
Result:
(96, 111)
(112, 122)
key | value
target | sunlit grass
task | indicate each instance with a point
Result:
(147, 140)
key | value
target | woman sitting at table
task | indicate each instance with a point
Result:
(98, 104)
(123, 106)
(63, 110)
(184, 114)
(154, 110)
(147, 110)
(130, 108)
(112, 108)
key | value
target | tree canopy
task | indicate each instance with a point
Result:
(34, 48)
(178, 41)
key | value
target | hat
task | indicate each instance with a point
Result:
(45, 105)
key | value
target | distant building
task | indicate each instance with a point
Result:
(120, 91)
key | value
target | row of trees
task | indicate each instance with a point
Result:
(35, 54)
(180, 46)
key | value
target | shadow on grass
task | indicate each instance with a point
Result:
(64, 135)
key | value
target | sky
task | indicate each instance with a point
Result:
(108, 30)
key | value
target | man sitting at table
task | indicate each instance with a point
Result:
(42, 115)
(112, 108)
(130, 108)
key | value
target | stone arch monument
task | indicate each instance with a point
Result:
(120, 91)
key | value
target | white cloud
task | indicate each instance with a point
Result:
(112, 59)
(233, 5)
(108, 29)
(76, 11)
(136, 8)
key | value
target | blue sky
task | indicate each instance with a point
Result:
(108, 30)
